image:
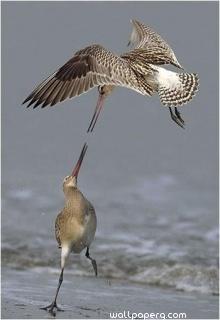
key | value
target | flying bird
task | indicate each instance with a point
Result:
(75, 225)
(139, 69)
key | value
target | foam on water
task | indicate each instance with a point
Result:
(182, 277)
(143, 235)
(122, 261)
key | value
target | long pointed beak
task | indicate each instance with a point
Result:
(79, 162)
(96, 113)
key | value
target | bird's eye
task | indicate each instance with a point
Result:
(100, 89)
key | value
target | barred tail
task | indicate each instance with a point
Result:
(177, 89)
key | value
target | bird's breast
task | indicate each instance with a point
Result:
(77, 226)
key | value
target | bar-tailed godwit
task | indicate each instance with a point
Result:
(75, 225)
(139, 70)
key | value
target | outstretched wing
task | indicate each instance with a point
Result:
(89, 67)
(152, 45)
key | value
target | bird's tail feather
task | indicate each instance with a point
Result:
(177, 89)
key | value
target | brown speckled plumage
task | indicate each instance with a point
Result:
(138, 69)
(75, 221)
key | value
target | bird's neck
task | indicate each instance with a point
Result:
(73, 199)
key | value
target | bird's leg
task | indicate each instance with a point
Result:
(176, 117)
(94, 264)
(53, 305)
(178, 114)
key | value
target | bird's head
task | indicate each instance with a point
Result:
(105, 90)
(70, 182)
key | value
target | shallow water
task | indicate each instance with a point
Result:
(96, 298)
(143, 234)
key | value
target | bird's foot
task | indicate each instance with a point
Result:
(51, 308)
(177, 118)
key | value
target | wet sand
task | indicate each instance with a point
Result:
(24, 292)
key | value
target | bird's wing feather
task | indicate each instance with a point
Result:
(155, 48)
(89, 67)
(57, 229)
(91, 209)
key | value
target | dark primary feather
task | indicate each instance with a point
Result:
(78, 66)
(89, 67)
(96, 66)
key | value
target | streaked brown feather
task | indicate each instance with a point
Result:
(157, 50)
(92, 66)
(57, 228)
(54, 93)
(47, 97)
(65, 90)
(96, 66)
(59, 93)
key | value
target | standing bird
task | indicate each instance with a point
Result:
(138, 70)
(75, 225)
